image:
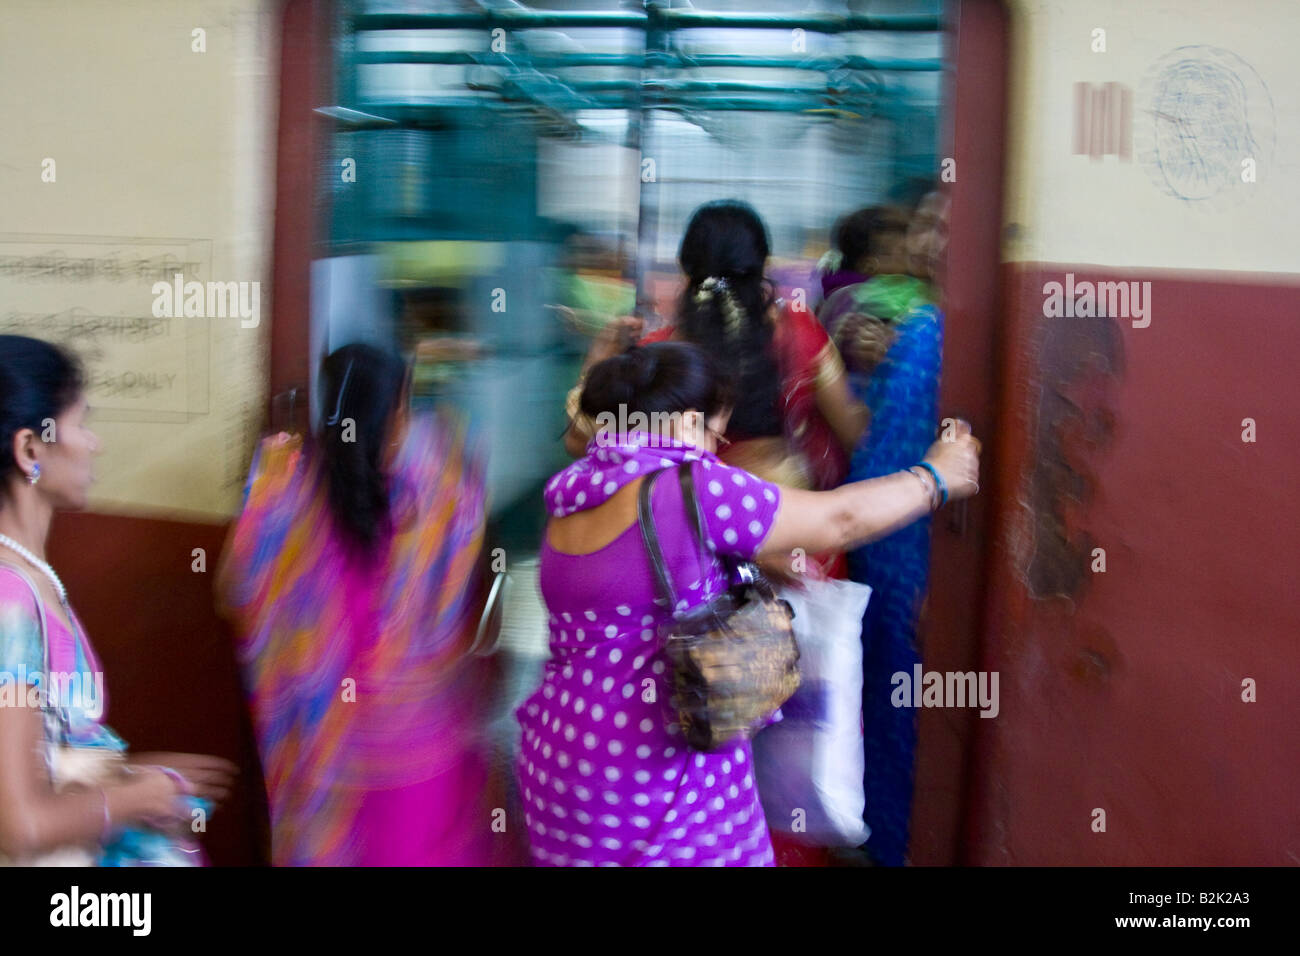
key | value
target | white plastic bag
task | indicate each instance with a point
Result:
(809, 766)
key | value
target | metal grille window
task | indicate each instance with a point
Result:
(493, 119)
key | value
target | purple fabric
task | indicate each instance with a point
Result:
(832, 281)
(612, 461)
(605, 774)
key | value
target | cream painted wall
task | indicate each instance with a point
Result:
(1069, 208)
(159, 151)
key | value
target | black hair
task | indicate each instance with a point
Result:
(858, 234)
(38, 381)
(662, 378)
(727, 240)
(362, 387)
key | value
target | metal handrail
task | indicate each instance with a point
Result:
(636, 61)
(652, 17)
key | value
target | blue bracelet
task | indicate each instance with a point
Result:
(943, 488)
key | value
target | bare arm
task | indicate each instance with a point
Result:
(847, 416)
(847, 517)
(35, 820)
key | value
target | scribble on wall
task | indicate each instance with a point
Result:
(1205, 115)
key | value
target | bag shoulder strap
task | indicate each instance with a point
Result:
(691, 502)
(645, 518)
(694, 517)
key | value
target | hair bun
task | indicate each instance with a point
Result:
(639, 367)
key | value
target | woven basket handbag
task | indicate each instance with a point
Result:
(734, 658)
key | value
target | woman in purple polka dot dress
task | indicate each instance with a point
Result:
(605, 775)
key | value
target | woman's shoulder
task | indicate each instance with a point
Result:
(14, 588)
(724, 480)
(276, 455)
(704, 472)
(799, 334)
(738, 507)
(795, 314)
(922, 327)
(20, 630)
(440, 471)
(439, 439)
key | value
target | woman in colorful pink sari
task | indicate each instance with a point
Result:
(353, 575)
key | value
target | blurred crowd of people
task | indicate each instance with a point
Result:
(357, 573)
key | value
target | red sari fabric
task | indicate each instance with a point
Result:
(802, 347)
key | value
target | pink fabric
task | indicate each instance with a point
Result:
(63, 643)
(365, 707)
(428, 823)
(606, 776)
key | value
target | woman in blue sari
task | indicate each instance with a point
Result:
(890, 331)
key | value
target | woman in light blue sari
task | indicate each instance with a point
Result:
(70, 795)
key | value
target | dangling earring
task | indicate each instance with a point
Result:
(35, 476)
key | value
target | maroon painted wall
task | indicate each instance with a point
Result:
(168, 659)
(1123, 690)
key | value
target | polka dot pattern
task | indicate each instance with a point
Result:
(605, 774)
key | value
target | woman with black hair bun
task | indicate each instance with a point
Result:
(606, 774)
(795, 419)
